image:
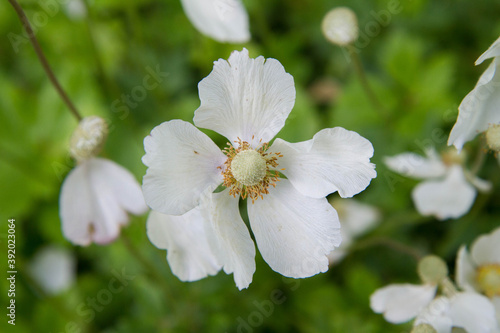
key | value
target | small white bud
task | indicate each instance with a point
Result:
(340, 26)
(432, 269)
(493, 137)
(88, 138)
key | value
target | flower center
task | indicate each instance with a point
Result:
(247, 171)
(249, 167)
(493, 137)
(488, 279)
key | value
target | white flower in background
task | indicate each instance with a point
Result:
(75, 9)
(356, 218)
(479, 109)
(54, 269)
(468, 310)
(97, 193)
(448, 190)
(402, 302)
(247, 101)
(340, 26)
(479, 270)
(223, 20)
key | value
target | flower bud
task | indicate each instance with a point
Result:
(493, 137)
(88, 138)
(423, 328)
(340, 26)
(432, 269)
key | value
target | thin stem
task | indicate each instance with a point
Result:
(358, 67)
(387, 242)
(480, 158)
(148, 267)
(43, 60)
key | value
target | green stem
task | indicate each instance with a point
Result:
(43, 60)
(358, 67)
(387, 242)
(148, 267)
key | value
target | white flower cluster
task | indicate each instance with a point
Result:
(475, 307)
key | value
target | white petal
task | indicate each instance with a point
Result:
(232, 241)
(436, 314)
(479, 109)
(473, 312)
(355, 217)
(496, 303)
(184, 165)
(186, 241)
(335, 159)
(294, 233)
(94, 199)
(401, 302)
(481, 184)
(222, 20)
(491, 52)
(245, 98)
(417, 166)
(54, 269)
(465, 270)
(448, 198)
(486, 249)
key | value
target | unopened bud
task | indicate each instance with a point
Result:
(493, 137)
(88, 138)
(340, 26)
(432, 269)
(423, 328)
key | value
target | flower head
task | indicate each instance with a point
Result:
(340, 26)
(448, 190)
(479, 109)
(248, 100)
(479, 269)
(223, 20)
(97, 193)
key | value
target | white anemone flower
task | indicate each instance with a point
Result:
(247, 101)
(54, 269)
(223, 20)
(356, 219)
(448, 190)
(402, 302)
(467, 310)
(479, 109)
(479, 270)
(97, 194)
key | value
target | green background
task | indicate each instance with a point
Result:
(420, 62)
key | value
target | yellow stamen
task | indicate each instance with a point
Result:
(488, 279)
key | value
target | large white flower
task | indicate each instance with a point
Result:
(448, 191)
(98, 193)
(479, 270)
(479, 109)
(247, 101)
(356, 218)
(222, 20)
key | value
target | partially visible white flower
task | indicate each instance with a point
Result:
(448, 190)
(479, 109)
(54, 269)
(468, 310)
(402, 302)
(223, 20)
(248, 100)
(97, 194)
(479, 270)
(355, 218)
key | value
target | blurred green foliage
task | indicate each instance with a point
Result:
(420, 64)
